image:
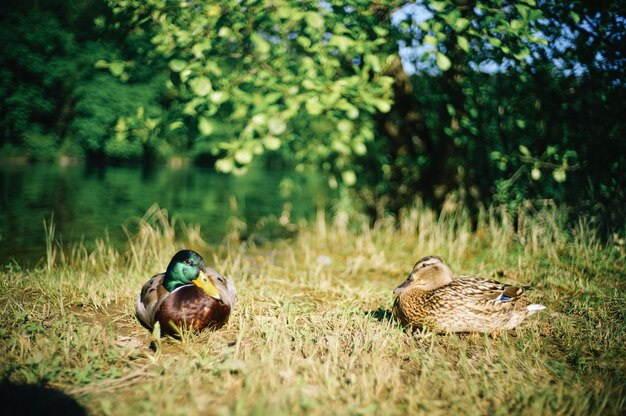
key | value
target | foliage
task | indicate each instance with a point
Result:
(309, 76)
(103, 106)
(255, 77)
(488, 129)
(54, 97)
(471, 102)
(37, 66)
(586, 38)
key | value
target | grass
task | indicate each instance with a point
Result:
(312, 332)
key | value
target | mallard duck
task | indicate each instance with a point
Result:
(188, 295)
(432, 297)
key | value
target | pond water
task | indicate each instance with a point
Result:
(89, 203)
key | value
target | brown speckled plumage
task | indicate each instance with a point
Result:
(431, 297)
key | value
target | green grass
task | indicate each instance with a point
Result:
(310, 337)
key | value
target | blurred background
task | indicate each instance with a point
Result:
(252, 115)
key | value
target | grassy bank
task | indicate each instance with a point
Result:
(312, 334)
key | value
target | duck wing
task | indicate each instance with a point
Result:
(189, 306)
(150, 299)
(487, 291)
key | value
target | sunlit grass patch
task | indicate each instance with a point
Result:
(312, 331)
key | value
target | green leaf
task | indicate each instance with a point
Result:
(451, 17)
(213, 10)
(341, 42)
(340, 147)
(522, 54)
(522, 10)
(524, 150)
(373, 61)
(438, 5)
(443, 62)
(185, 74)
(205, 126)
(277, 126)
(243, 156)
(271, 142)
(352, 113)
(176, 125)
(332, 182)
(309, 85)
(201, 86)
(495, 42)
(261, 45)
(463, 43)
(380, 31)
(431, 40)
(259, 119)
(559, 175)
(344, 126)
(224, 32)
(461, 24)
(116, 68)
(383, 106)
(177, 65)
(151, 123)
(120, 129)
(218, 97)
(535, 14)
(517, 24)
(520, 123)
(535, 173)
(348, 177)
(313, 106)
(359, 148)
(315, 20)
(224, 165)
(575, 16)
(303, 41)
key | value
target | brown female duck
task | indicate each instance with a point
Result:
(432, 297)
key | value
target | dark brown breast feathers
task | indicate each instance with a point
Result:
(190, 307)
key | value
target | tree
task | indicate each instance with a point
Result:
(308, 77)
(469, 101)
(63, 88)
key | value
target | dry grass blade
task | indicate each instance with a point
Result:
(312, 332)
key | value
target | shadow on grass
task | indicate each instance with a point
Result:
(33, 400)
(381, 315)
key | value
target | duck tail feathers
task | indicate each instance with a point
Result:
(535, 307)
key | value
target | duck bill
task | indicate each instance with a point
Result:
(402, 287)
(204, 283)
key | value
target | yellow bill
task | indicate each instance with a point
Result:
(204, 283)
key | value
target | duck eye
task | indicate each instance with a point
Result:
(221, 279)
(188, 262)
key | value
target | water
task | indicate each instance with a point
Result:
(89, 203)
